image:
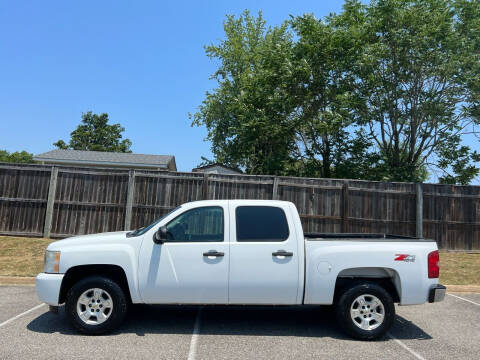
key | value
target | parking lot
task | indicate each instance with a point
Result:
(436, 331)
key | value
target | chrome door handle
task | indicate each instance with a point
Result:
(213, 253)
(282, 253)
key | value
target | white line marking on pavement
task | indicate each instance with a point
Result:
(470, 301)
(20, 315)
(417, 355)
(196, 332)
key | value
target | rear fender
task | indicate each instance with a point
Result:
(327, 261)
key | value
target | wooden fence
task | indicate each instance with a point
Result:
(37, 200)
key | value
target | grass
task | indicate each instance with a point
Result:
(459, 268)
(21, 256)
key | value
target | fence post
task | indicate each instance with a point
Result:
(275, 188)
(205, 186)
(345, 203)
(311, 197)
(419, 212)
(130, 195)
(52, 187)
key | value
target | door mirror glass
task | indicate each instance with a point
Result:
(160, 236)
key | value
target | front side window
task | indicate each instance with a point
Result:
(143, 230)
(261, 224)
(203, 224)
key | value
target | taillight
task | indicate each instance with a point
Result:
(433, 266)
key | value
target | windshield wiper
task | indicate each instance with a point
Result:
(134, 232)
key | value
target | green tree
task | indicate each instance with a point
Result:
(16, 157)
(95, 134)
(329, 141)
(418, 76)
(384, 91)
(282, 107)
(249, 116)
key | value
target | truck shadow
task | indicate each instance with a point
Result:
(227, 320)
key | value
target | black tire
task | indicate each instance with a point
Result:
(117, 315)
(346, 300)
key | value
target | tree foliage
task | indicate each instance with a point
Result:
(411, 76)
(248, 116)
(16, 157)
(329, 142)
(383, 91)
(265, 115)
(95, 134)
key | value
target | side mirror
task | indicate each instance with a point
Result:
(160, 236)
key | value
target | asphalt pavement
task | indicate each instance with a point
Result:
(446, 330)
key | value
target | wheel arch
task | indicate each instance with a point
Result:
(76, 273)
(388, 278)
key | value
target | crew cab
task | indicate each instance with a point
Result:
(248, 252)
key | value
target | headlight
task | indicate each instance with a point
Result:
(52, 261)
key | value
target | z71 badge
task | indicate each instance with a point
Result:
(404, 257)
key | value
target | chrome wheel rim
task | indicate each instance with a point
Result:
(94, 306)
(367, 312)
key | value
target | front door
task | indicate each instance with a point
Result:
(191, 267)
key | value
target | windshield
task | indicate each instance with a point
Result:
(143, 230)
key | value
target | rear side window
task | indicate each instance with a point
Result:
(261, 223)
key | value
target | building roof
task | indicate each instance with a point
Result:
(213, 165)
(105, 158)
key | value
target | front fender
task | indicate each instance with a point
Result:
(122, 255)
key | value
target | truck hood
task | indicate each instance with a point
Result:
(118, 237)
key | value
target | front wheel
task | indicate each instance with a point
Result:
(96, 305)
(366, 311)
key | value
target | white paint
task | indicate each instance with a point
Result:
(247, 273)
(48, 287)
(178, 273)
(256, 275)
(402, 344)
(470, 301)
(112, 248)
(20, 315)
(357, 257)
(192, 353)
(172, 264)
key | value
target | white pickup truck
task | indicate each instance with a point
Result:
(238, 252)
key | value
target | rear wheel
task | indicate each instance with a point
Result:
(365, 311)
(96, 305)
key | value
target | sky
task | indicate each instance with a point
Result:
(141, 62)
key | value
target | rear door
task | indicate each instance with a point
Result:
(263, 254)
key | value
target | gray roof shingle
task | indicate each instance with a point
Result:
(97, 157)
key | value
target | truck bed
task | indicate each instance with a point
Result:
(362, 237)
